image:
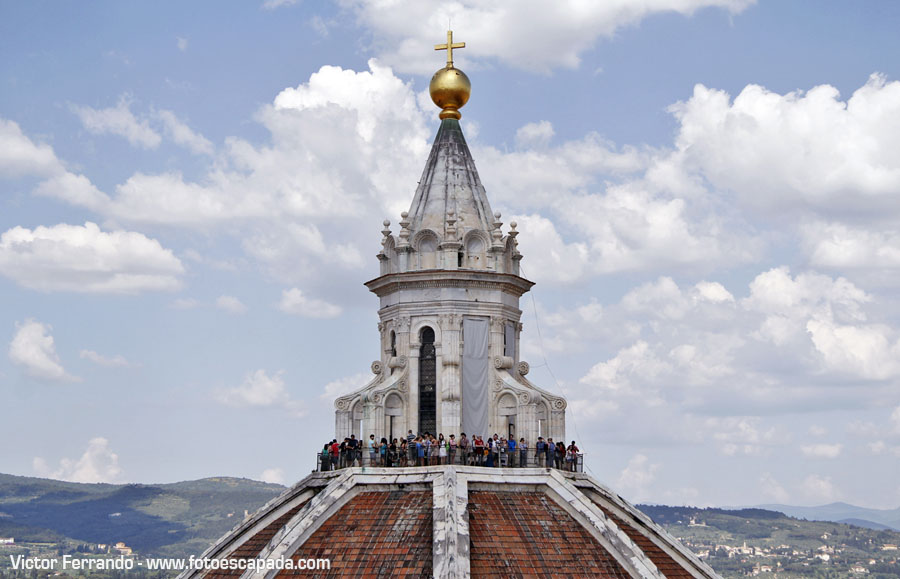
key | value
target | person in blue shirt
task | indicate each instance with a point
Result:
(511, 447)
(540, 451)
(420, 450)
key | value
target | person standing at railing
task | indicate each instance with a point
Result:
(451, 449)
(463, 449)
(420, 451)
(572, 457)
(540, 451)
(325, 458)
(523, 453)
(479, 450)
(335, 454)
(511, 449)
(550, 452)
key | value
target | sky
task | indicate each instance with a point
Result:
(708, 195)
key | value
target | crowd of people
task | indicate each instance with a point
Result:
(428, 450)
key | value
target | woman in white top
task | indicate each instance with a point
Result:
(442, 450)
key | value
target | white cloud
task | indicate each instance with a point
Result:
(230, 304)
(839, 246)
(85, 259)
(344, 385)
(637, 476)
(781, 152)
(293, 301)
(534, 135)
(20, 156)
(822, 450)
(273, 4)
(406, 31)
(98, 464)
(819, 488)
(772, 489)
(895, 420)
(261, 390)
(273, 475)
(120, 121)
(741, 435)
(182, 43)
(183, 135)
(72, 188)
(817, 430)
(34, 350)
(117, 361)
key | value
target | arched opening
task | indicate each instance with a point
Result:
(427, 383)
(357, 417)
(507, 408)
(393, 344)
(475, 252)
(427, 249)
(393, 414)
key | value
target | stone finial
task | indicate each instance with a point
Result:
(386, 232)
(404, 229)
(497, 234)
(451, 224)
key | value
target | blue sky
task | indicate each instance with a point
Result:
(708, 194)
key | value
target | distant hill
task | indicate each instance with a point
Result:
(165, 519)
(840, 512)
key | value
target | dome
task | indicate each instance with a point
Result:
(456, 521)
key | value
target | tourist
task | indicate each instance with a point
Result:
(352, 446)
(451, 450)
(511, 449)
(373, 449)
(412, 451)
(429, 450)
(410, 437)
(479, 450)
(463, 449)
(572, 457)
(335, 454)
(420, 451)
(523, 453)
(550, 449)
(540, 451)
(560, 455)
(442, 449)
(325, 458)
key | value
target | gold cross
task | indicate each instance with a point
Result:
(449, 47)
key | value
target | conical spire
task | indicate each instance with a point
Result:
(450, 185)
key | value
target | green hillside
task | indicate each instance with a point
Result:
(166, 519)
(740, 542)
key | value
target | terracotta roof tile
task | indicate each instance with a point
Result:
(252, 546)
(376, 534)
(663, 561)
(526, 534)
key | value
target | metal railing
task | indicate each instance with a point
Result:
(502, 458)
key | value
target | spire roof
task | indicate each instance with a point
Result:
(450, 182)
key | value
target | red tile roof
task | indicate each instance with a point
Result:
(255, 544)
(376, 534)
(663, 561)
(526, 534)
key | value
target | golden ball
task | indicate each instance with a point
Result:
(450, 89)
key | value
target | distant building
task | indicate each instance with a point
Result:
(7, 540)
(122, 548)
